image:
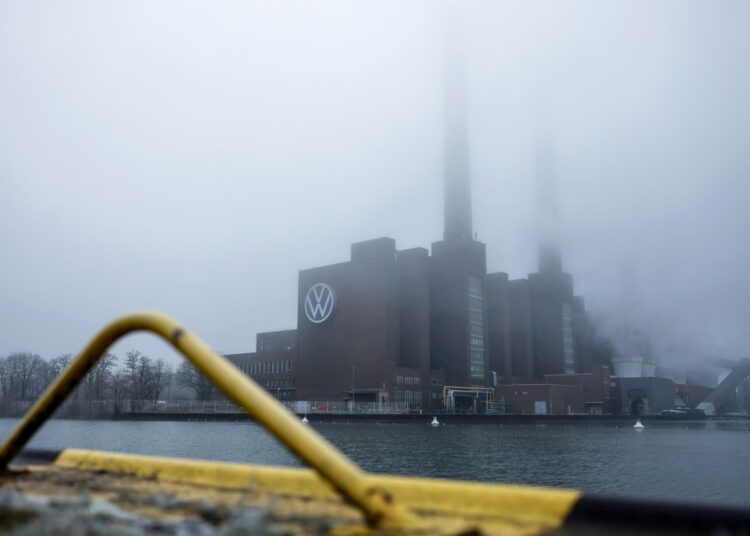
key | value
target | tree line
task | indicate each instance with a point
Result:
(124, 386)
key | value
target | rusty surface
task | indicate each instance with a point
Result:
(54, 500)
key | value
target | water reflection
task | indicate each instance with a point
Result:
(700, 461)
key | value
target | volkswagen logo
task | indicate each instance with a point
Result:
(319, 303)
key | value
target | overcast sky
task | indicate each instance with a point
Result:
(191, 157)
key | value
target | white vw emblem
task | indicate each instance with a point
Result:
(319, 303)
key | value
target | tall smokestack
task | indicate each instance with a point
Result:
(550, 259)
(458, 222)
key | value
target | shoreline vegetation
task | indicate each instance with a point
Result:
(142, 388)
(110, 388)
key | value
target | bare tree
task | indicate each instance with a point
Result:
(98, 379)
(22, 369)
(139, 371)
(119, 389)
(190, 377)
(55, 368)
(4, 379)
(161, 376)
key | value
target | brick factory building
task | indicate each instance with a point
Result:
(396, 326)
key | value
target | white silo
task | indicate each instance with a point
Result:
(628, 367)
(649, 368)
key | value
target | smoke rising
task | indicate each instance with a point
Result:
(192, 158)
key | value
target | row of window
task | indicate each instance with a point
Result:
(275, 346)
(408, 379)
(476, 332)
(267, 367)
(437, 382)
(410, 397)
(475, 287)
(476, 342)
(277, 384)
(568, 348)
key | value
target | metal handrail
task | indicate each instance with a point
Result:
(378, 505)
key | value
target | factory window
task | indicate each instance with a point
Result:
(399, 379)
(408, 379)
(408, 397)
(477, 342)
(399, 396)
(476, 332)
(475, 286)
(417, 398)
(416, 380)
(567, 332)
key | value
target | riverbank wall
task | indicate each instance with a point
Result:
(400, 418)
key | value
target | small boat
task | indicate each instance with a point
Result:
(435, 422)
(638, 425)
(304, 420)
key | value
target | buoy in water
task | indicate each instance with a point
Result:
(638, 425)
(434, 422)
(304, 420)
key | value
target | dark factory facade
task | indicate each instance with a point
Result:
(390, 326)
(398, 326)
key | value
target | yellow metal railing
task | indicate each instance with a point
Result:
(379, 506)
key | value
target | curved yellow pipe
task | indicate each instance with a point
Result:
(378, 505)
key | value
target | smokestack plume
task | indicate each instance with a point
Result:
(550, 259)
(458, 219)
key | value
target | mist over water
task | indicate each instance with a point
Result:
(192, 158)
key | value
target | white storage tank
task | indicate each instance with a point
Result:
(628, 367)
(649, 368)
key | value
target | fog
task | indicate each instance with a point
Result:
(192, 157)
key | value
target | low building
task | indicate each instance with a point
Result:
(595, 388)
(274, 364)
(540, 399)
(645, 396)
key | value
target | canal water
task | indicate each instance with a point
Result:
(702, 461)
